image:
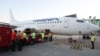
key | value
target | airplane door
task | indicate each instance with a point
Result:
(66, 23)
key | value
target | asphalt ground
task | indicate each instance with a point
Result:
(58, 47)
(85, 42)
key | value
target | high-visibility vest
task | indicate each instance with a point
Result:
(13, 36)
(42, 35)
(24, 35)
(33, 35)
(92, 38)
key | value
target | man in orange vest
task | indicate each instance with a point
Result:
(13, 40)
(20, 40)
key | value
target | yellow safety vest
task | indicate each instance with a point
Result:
(33, 35)
(24, 35)
(92, 38)
(42, 35)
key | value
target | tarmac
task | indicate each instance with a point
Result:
(58, 47)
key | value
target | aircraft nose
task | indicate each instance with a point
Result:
(97, 28)
(94, 27)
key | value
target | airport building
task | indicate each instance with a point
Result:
(95, 21)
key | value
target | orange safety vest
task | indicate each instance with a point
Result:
(20, 36)
(13, 36)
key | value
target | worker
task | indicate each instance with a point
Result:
(92, 39)
(13, 40)
(24, 38)
(33, 37)
(42, 36)
(19, 40)
(46, 36)
(50, 36)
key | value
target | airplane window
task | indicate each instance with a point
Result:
(80, 21)
(52, 22)
(60, 21)
(55, 21)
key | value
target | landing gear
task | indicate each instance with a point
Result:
(86, 36)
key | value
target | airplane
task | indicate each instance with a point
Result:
(57, 25)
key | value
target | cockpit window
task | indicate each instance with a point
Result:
(80, 21)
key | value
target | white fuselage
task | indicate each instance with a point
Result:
(61, 25)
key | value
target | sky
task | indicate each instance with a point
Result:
(37, 9)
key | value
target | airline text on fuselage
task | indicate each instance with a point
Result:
(48, 19)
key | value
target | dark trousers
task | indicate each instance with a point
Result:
(20, 44)
(45, 39)
(24, 41)
(92, 43)
(32, 41)
(50, 38)
(13, 45)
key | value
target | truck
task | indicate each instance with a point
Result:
(5, 35)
